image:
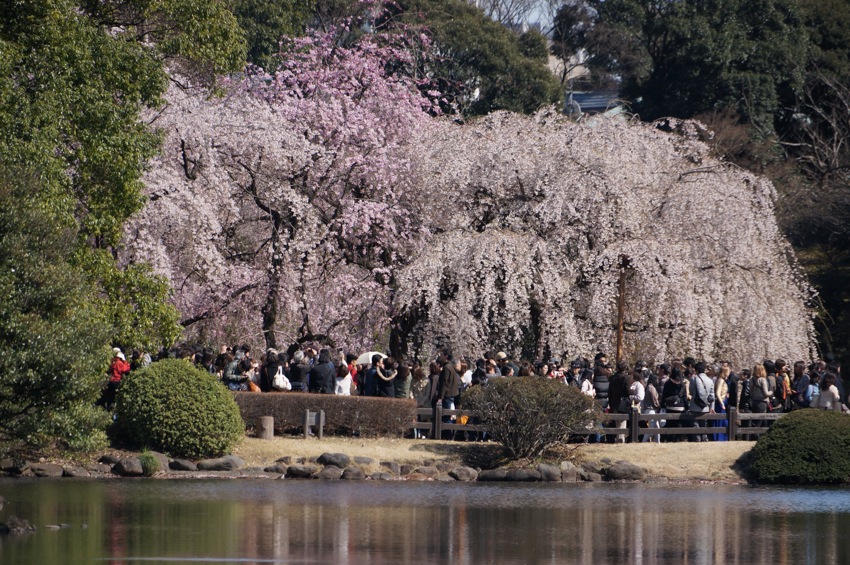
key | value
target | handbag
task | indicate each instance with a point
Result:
(280, 382)
(625, 405)
(253, 387)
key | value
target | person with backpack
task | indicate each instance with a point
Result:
(702, 399)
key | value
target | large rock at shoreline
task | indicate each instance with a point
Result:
(182, 465)
(391, 467)
(330, 472)
(128, 467)
(569, 472)
(591, 477)
(430, 472)
(463, 474)
(300, 471)
(14, 466)
(353, 474)
(278, 468)
(549, 473)
(228, 463)
(162, 459)
(100, 468)
(380, 476)
(492, 475)
(46, 470)
(624, 471)
(340, 460)
(522, 475)
(75, 472)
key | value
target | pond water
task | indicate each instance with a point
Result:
(267, 521)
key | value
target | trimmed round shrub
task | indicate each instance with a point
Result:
(804, 447)
(528, 415)
(172, 407)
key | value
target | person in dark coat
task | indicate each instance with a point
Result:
(268, 370)
(369, 382)
(323, 374)
(448, 387)
(617, 390)
(601, 382)
(299, 372)
(386, 374)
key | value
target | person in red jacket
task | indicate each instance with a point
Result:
(117, 369)
(119, 366)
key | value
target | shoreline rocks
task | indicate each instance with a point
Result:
(339, 466)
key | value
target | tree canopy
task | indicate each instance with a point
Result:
(75, 80)
(478, 65)
(53, 334)
(266, 22)
(770, 79)
(684, 58)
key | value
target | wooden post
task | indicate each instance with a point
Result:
(321, 424)
(621, 306)
(306, 424)
(438, 421)
(265, 427)
(634, 420)
(732, 424)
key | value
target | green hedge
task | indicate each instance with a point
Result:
(805, 447)
(344, 415)
(171, 406)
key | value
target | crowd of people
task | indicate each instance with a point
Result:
(680, 386)
(687, 386)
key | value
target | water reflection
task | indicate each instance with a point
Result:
(340, 522)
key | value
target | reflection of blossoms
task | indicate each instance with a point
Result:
(324, 201)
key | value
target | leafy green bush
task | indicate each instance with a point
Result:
(54, 341)
(528, 415)
(171, 406)
(805, 447)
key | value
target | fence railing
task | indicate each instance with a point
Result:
(735, 424)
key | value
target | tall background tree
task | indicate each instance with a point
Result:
(477, 64)
(75, 77)
(288, 228)
(53, 333)
(770, 80)
(266, 22)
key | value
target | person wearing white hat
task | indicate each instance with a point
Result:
(117, 370)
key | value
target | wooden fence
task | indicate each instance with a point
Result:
(736, 425)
